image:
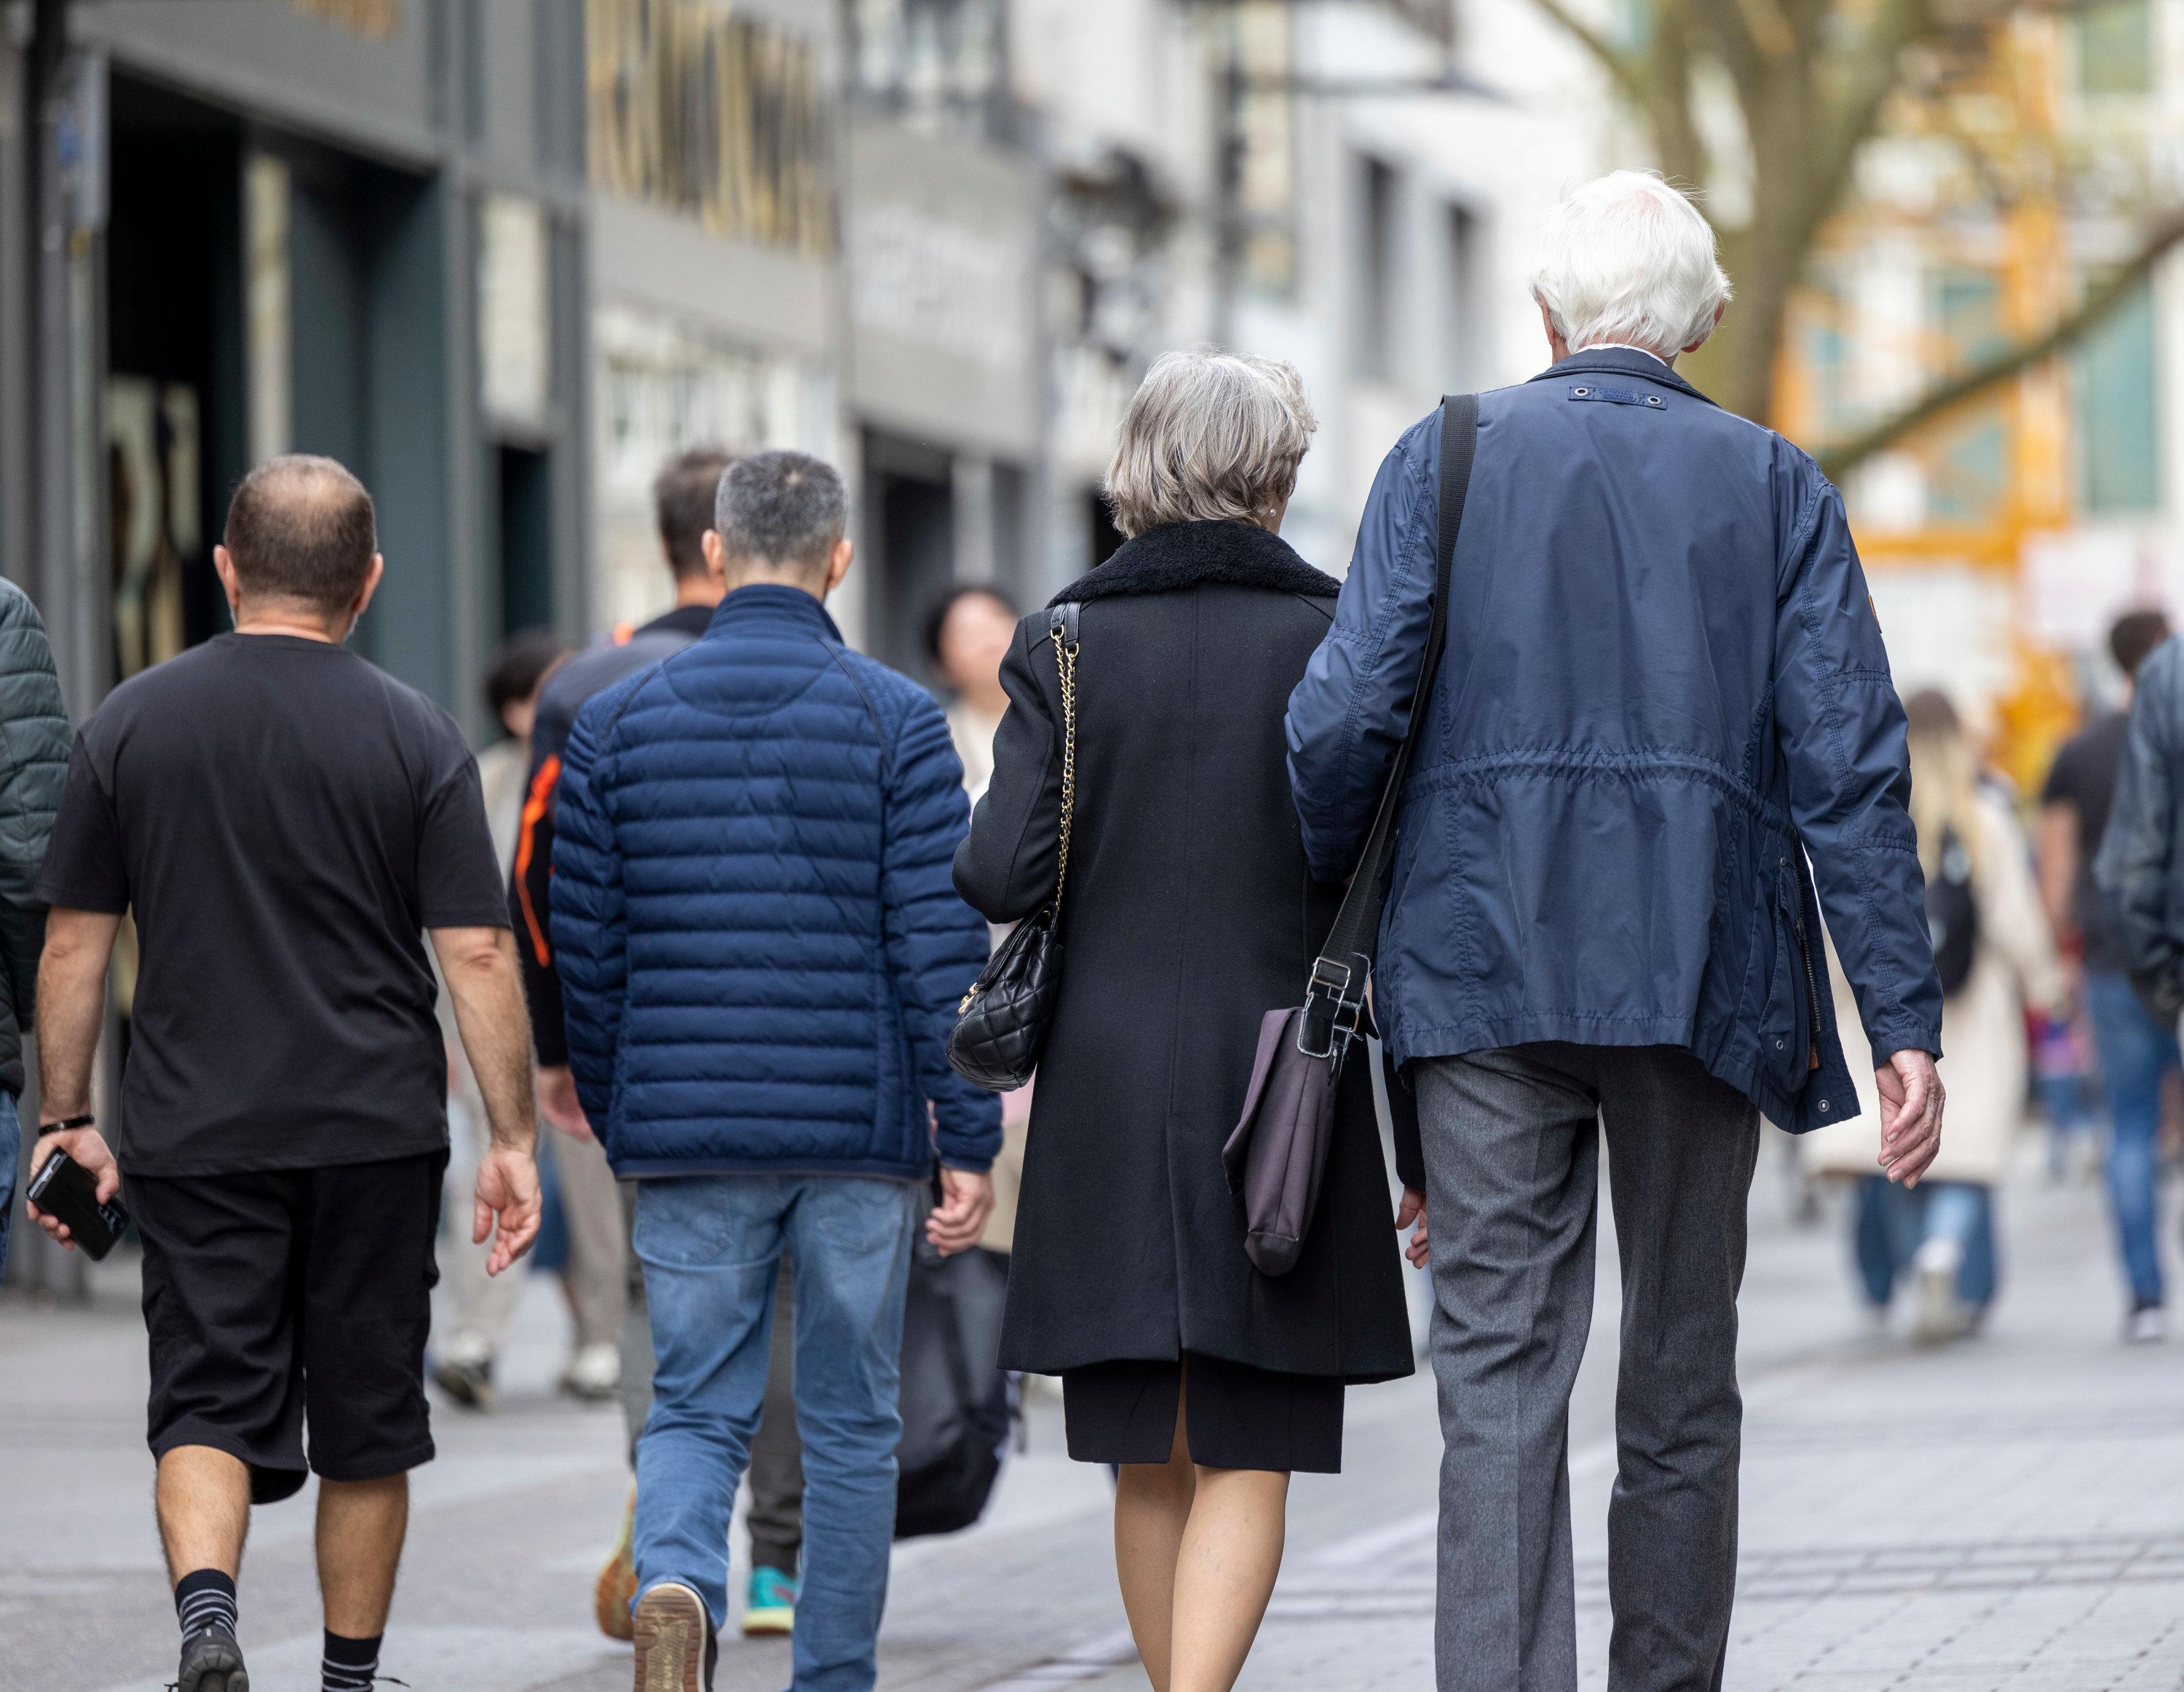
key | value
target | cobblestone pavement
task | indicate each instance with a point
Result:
(2005, 1513)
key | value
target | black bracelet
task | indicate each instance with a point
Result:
(66, 1124)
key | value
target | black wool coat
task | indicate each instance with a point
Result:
(1189, 914)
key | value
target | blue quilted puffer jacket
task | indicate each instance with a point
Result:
(760, 947)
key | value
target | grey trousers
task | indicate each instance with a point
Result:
(777, 1458)
(1513, 1147)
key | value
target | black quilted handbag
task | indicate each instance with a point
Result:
(1001, 1024)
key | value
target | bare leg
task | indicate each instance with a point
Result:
(361, 1525)
(1224, 1574)
(1152, 1503)
(202, 1497)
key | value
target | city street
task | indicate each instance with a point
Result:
(2006, 1513)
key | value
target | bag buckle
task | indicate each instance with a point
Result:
(1336, 995)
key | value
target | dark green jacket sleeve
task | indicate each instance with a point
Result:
(34, 755)
(2138, 865)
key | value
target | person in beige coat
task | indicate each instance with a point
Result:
(1942, 1230)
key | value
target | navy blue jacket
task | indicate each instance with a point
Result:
(761, 947)
(1664, 687)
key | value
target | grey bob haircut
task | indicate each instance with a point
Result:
(1209, 436)
(782, 507)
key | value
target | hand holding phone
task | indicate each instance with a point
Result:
(65, 1194)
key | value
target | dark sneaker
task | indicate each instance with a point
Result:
(212, 1662)
(675, 1644)
(469, 1384)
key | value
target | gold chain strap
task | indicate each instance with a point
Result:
(1064, 661)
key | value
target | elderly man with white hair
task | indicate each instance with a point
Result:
(1661, 743)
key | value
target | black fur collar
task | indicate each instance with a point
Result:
(1179, 555)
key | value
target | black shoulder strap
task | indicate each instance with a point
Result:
(1340, 973)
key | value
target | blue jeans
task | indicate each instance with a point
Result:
(1892, 1224)
(712, 1246)
(2136, 1051)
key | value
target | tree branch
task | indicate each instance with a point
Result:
(2099, 303)
(1621, 68)
(1863, 75)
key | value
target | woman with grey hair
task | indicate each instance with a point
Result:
(1189, 912)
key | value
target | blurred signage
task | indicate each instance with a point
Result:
(514, 306)
(938, 284)
(2075, 583)
(374, 21)
(711, 113)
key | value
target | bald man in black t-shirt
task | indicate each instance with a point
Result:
(286, 824)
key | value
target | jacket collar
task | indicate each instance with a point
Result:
(1618, 361)
(1178, 556)
(772, 602)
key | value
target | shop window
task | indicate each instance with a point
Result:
(1968, 466)
(2113, 41)
(1379, 217)
(2117, 412)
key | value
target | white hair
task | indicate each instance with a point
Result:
(1626, 257)
(1209, 436)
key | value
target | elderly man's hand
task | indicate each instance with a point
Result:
(1910, 1115)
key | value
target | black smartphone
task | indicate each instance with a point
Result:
(66, 1191)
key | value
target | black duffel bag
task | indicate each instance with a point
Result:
(956, 1398)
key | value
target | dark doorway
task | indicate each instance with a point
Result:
(175, 425)
(525, 539)
(366, 253)
(910, 497)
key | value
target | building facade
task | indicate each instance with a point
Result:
(349, 226)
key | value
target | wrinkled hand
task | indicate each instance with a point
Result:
(558, 1102)
(1910, 1115)
(507, 1206)
(966, 1199)
(88, 1147)
(1413, 1210)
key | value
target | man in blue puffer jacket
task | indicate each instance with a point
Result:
(761, 952)
(1664, 691)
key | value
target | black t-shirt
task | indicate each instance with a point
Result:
(285, 820)
(2084, 777)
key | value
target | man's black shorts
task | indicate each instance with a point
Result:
(283, 1297)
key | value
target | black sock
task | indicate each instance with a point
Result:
(350, 1664)
(205, 1598)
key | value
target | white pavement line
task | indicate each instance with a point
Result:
(1087, 1662)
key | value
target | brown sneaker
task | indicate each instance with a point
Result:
(675, 1646)
(617, 1581)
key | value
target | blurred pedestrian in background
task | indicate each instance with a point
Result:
(1997, 957)
(481, 1306)
(34, 755)
(1189, 913)
(1664, 687)
(2140, 869)
(967, 635)
(287, 823)
(759, 953)
(2136, 1049)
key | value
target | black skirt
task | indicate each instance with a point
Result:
(1239, 1417)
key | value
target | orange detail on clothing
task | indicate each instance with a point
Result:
(534, 812)
(623, 632)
